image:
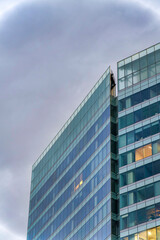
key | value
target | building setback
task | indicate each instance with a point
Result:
(99, 179)
(74, 188)
(139, 145)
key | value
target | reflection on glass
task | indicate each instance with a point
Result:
(152, 234)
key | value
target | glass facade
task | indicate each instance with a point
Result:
(139, 145)
(99, 179)
(74, 187)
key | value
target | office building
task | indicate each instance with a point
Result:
(74, 187)
(139, 145)
(99, 180)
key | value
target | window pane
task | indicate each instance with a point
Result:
(121, 83)
(122, 122)
(142, 236)
(128, 69)
(158, 233)
(135, 65)
(141, 216)
(151, 58)
(123, 159)
(147, 150)
(136, 77)
(129, 119)
(138, 134)
(157, 188)
(129, 80)
(130, 137)
(121, 104)
(122, 141)
(150, 191)
(139, 154)
(124, 221)
(150, 213)
(144, 74)
(143, 62)
(154, 109)
(146, 112)
(128, 102)
(138, 116)
(136, 98)
(130, 157)
(140, 173)
(145, 95)
(156, 167)
(123, 200)
(148, 170)
(153, 91)
(130, 177)
(151, 70)
(151, 234)
(155, 127)
(146, 131)
(121, 72)
(158, 67)
(131, 197)
(158, 210)
(141, 194)
(123, 180)
(132, 219)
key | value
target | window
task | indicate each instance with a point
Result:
(140, 173)
(123, 200)
(139, 154)
(131, 197)
(143, 62)
(157, 188)
(122, 141)
(158, 210)
(130, 177)
(128, 102)
(129, 80)
(147, 149)
(130, 137)
(132, 219)
(150, 213)
(142, 236)
(136, 77)
(138, 134)
(121, 83)
(143, 152)
(150, 191)
(129, 119)
(141, 194)
(141, 215)
(124, 221)
(144, 74)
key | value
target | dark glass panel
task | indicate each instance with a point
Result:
(148, 170)
(141, 216)
(150, 191)
(141, 194)
(139, 173)
(150, 213)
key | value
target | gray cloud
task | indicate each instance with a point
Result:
(52, 53)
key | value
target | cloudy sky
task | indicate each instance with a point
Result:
(52, 52)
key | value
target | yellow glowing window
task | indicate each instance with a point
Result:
(80, 182)
(139, 154)
(143, 152)
(147, 150)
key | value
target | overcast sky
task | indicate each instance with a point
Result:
(52, 52)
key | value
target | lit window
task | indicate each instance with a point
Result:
(78, 182)
(143, 152)
(147, 150)
(139, 154)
